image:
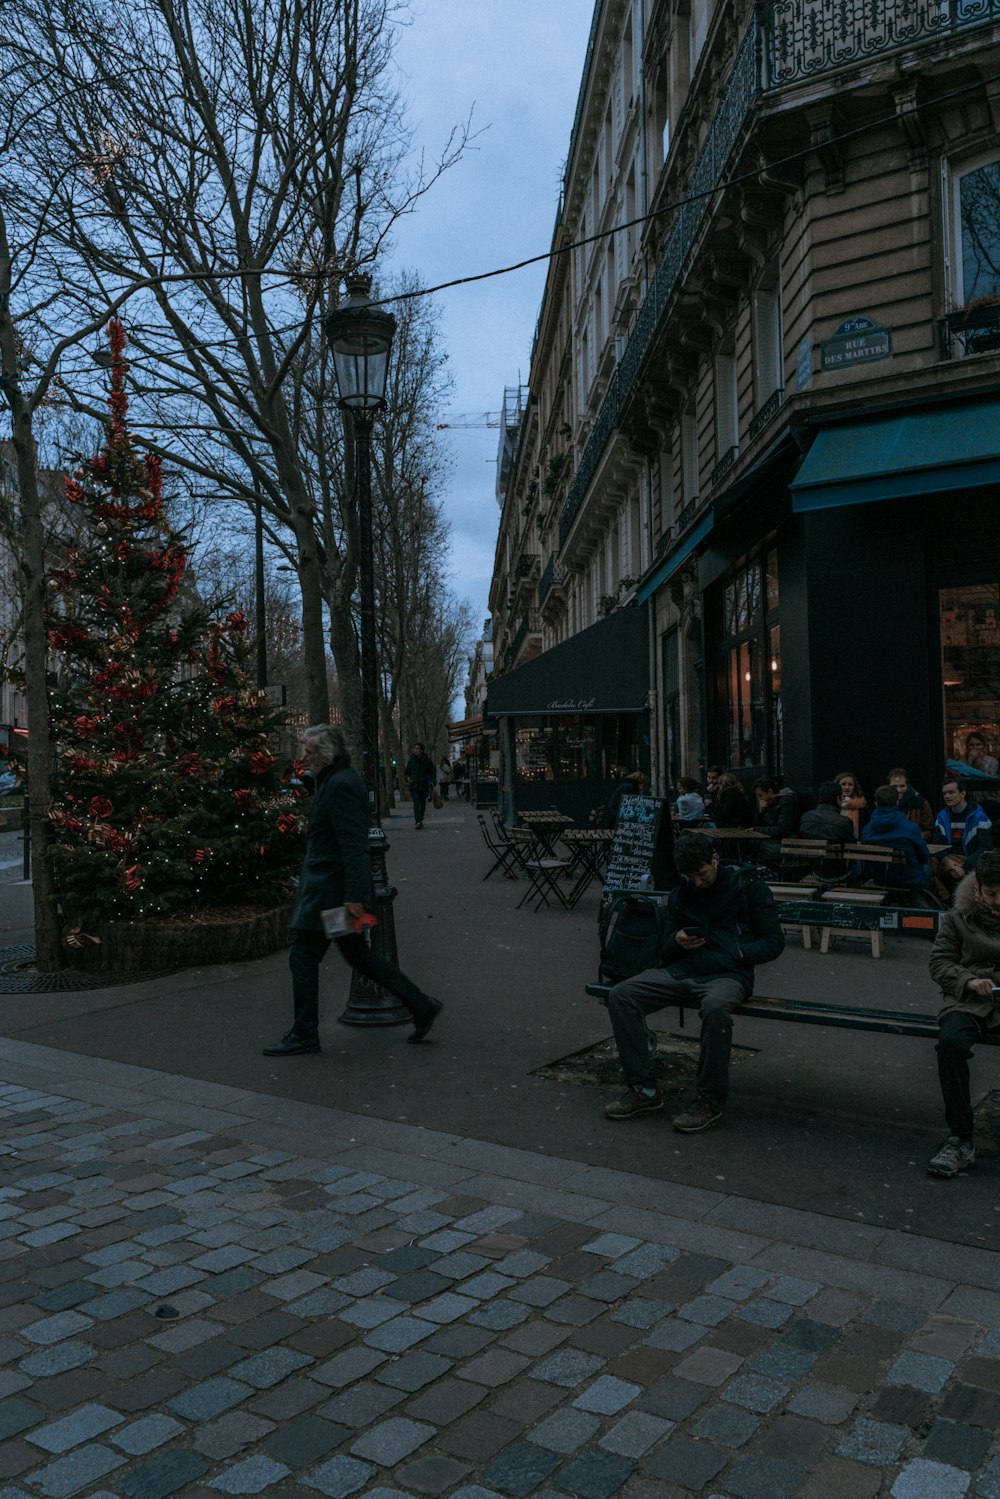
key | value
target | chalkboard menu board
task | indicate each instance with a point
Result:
(641, 855)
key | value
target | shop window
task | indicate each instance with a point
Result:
(970, 667)
(747, 691)
(533, 754)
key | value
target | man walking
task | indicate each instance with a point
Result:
(419, 776)
(336, 871)
(965, 961)
(720, 922)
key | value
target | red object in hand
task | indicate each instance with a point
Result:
(360, 922)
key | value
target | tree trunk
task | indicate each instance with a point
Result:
(39, 757)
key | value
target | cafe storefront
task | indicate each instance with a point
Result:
(574, 719)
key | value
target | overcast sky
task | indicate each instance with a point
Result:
(517, 65)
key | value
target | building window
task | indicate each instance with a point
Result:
(767, 359)
(689, 458)
(726, 409)
(978, 215)
(970, 666)
(747, 694)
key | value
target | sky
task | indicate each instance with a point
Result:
(517, 66)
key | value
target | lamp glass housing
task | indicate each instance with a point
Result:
(360, 336)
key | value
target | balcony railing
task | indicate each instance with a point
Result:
(970, 330)
(806, 37)
(767, 412)
(724, 464)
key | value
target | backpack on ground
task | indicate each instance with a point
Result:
(631, 931)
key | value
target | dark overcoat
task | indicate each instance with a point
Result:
(336, 869)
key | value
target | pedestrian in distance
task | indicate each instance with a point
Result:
(420, 775)
(965, 962)
(336, 871)
(720, 922)
(444, 776)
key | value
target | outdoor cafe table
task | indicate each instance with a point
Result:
(589, 848)
(547, 827)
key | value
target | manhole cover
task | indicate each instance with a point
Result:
(18, 975)
(676, 1063)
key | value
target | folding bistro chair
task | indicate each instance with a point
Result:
(503, 855)
(542, 870)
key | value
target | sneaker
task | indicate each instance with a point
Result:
(634, 1102)
(953, 1157)
(699, 1116)
(291, 1045)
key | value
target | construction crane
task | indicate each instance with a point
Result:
(470, 421)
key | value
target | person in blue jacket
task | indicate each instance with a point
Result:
(966, 829)
(336, 871)
(891, 828)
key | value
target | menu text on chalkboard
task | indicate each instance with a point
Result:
(641, 853)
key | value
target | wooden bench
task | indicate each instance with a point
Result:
(847, 897)
(818, 1012)
(797, 893)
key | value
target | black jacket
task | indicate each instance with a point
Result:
(780, 818)
(826, 822)
(738, 918)
(420, 772)
(730, 809)
(336, 869)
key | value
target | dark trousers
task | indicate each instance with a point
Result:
(419, 802)
(958, 1035)
(633, 999)
(309, 950)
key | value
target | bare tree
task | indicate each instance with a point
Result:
(228, 161)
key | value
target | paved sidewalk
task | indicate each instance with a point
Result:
(210, 1290)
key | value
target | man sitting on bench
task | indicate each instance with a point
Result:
(720, 922)
(889, 827)
(965, 961)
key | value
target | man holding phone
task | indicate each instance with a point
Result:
(965, 961)
(720, 922)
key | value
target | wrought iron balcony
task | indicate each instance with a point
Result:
(724, 464)
(806, 37)
(971, 330)
(767, 412)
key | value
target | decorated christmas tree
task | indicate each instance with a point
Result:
(169, 795)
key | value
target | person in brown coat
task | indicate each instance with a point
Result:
(965, 962)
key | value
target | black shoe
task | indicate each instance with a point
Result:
(292, 1045)
(424, 1018)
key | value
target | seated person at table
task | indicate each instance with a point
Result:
(635, 783)
(976, 757)
(826, 820)
(719, 923)
(890, 827)
(690, 804)
(965, 961)
(731, 809)
(915, 808)
(965, 828)
(777, 816)
(853, 802)
(711, 790)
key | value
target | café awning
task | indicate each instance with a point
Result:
(603, 669)
(896, 457)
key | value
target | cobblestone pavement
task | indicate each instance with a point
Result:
(190, 1303)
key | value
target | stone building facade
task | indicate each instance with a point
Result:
(764, 405)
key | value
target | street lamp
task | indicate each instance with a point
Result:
(360, 337)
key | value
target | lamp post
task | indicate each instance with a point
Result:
(360, 337)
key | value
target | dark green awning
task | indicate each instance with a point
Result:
(893, 457)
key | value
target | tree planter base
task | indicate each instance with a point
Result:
(221, 934)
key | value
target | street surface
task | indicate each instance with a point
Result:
(394, 1270)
